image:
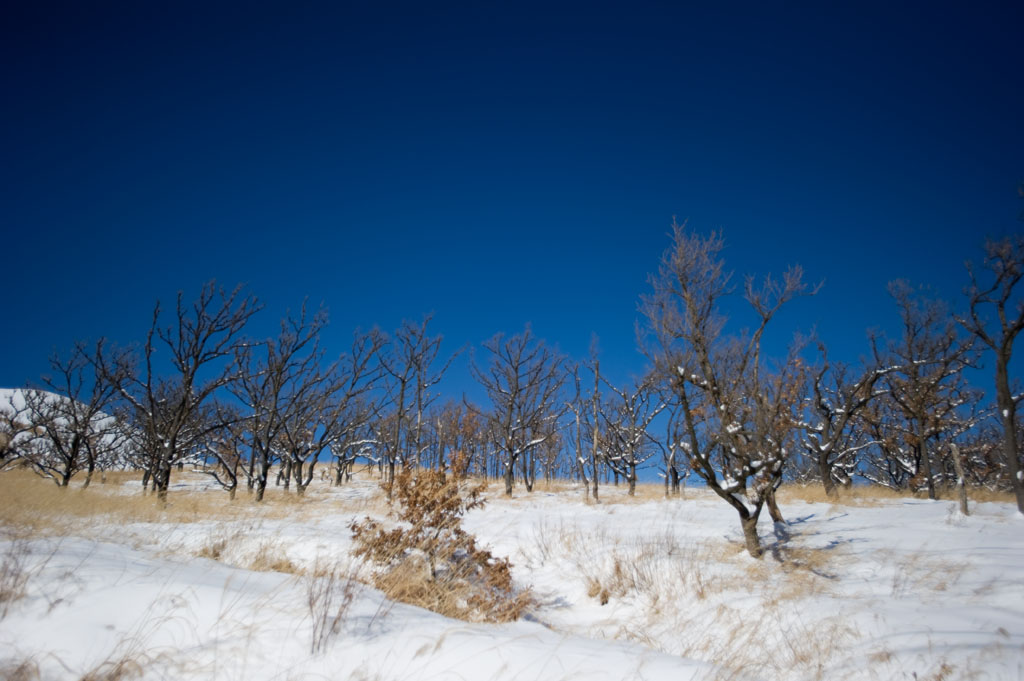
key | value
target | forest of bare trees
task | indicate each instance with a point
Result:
(712, 402)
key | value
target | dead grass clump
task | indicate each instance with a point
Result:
(430, 561)
(770, 643)
(918, 572)
(115, 670)
(656, 570)
(20, 670)
(14, 575)
(330, 590)
(231, 546)
(270, 557)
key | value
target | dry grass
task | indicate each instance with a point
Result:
(30, 502)
(657, 582)
(923, 575)
(868, 495)
(330, 591)
(14, 574)
(19, 670)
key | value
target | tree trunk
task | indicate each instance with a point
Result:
(825, 471)
(750, 537)
(1007, 414)
(773, 508)
(508, 478)
(90, 469)
(927, 459)
(961, 482)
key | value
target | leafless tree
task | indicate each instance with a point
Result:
(332, 413)
(273, 379)
(831, 428)
(929, 389)
(674, 470)
(738, 411)
(627, 418)
(200, 345)
(523, 379)
(409, 372)
(15, 428)
(228, 446)
(578, 405)
(72, 428)
(1004, 267)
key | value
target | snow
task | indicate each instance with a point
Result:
(889, 590)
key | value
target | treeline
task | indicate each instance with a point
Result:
(199, 391)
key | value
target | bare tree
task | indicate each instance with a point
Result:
(1004, 265)
(523, 379)
(72, 429)
(578, 405)
(738, 412)
(332, 413)
(408, 378)
(228, 446)
(627, 418)
(671, 447)
(201, 345)
(16, 430)
(273, 378)
(929, 388)
(831, 428)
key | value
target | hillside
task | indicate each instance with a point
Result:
(871, 588)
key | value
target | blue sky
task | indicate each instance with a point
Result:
(495, 164)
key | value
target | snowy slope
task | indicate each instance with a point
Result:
(896, 590)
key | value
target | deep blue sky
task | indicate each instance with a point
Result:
(494, 164)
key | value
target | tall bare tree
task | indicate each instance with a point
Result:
(831, 432)
(200, 345)
(73, 427)
(523, 379)
(409, 373)
(627, 418)
(1004, 267)
(738, 411)
(929, 387)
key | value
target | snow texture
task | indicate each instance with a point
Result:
(896, 590)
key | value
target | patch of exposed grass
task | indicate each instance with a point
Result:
(868, 495)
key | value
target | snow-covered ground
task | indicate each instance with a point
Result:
(655, 589)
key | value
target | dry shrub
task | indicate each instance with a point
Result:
(430, 561)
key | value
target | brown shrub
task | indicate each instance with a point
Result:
(430, 561)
